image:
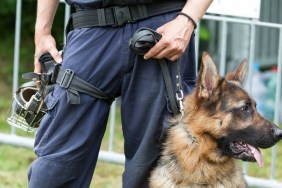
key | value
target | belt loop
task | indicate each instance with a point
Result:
(142, 11)
(101, 17)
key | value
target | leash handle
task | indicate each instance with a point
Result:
(141, 42)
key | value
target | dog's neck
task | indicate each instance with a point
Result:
(188, 145)
(190, 135)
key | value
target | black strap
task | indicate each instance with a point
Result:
(74, 84)
(119, 15)
(54, 73)
(168, 83)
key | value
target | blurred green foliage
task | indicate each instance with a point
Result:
(7, 34)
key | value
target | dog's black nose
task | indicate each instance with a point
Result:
(277, 133)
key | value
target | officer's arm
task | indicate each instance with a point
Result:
(44, 42)
(176, 34)
(196, 8)
(46, 11)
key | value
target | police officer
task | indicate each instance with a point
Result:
(69, 137)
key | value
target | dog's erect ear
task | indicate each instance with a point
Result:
(239, 73)
(208, 77)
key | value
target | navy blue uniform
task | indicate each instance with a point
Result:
(106, 3)
(69, 137)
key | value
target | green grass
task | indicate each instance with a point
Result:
(13, 164)
(14, 161)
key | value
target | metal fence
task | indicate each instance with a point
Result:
(250, 34)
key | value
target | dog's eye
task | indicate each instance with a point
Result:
(245, 108)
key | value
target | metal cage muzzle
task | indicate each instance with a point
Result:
(28, 109)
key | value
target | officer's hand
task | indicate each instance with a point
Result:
(175, 38)
(45, 43)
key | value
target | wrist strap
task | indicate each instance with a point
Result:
(189, 18)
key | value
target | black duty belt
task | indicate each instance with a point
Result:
(120, 15)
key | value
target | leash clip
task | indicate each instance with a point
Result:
(179, 98)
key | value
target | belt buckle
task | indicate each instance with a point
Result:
(67, 78)
(122, 15)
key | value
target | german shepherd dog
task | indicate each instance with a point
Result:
(220, 124)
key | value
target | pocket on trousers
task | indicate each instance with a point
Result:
(51, 103)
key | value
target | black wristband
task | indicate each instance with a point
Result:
(189, 18)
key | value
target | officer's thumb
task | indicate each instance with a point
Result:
(37, 67)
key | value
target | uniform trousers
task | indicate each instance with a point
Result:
(68, 140)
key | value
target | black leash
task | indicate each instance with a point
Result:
(141, 42)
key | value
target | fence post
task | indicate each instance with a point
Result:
(17, 51)
(277, 101)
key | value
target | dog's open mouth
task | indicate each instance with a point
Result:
(247, 152)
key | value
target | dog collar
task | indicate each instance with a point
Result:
(193, 138)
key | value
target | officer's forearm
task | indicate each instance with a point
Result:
(46, 10)
(196, 8)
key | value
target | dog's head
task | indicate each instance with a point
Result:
(227, 114)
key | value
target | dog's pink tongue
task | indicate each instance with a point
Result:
(257, 154)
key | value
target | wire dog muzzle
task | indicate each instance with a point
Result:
(27, 108)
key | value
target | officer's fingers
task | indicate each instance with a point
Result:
(37, 69)
(173, 56)
(160, 46)
(165, 52)
(56, 55)
(169, 53)
(153, 52)
(37, 66)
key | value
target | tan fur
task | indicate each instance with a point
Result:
(198, 163)
(190, 156)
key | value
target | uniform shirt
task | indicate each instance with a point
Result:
(105, 3)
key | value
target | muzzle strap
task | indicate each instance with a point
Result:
(65, 78)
